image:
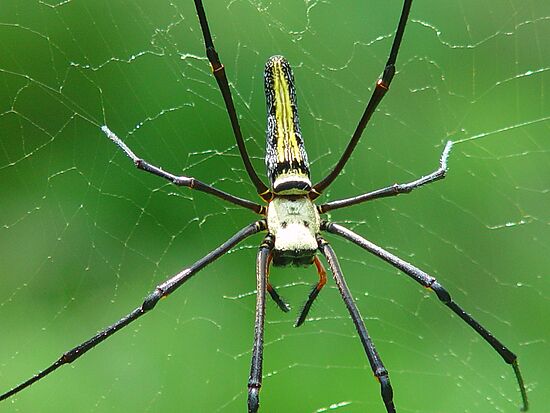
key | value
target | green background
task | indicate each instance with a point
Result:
(84, 236)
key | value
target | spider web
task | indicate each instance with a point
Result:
(84, 235)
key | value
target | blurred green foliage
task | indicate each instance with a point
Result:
(84, 235)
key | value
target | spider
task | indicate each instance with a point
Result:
(291, 219)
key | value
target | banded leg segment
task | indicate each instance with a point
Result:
(431, 283)
(218, 70)
(181, 180)
(376, 364)
(393, 190)
(382, 86)
(162, 290)
(255, 378)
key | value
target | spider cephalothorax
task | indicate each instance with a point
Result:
(294, 222)
(291, 219)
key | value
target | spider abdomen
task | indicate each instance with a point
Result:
(294, 222)
(286, 157)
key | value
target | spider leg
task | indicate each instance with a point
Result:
(314, 292)
(379, 92)
(376, 364)
(162, 290)
(431, 283)
(395, 189)
(181, 180)
(255, 378)
(218, 70)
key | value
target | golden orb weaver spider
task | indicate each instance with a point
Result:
(291, 219)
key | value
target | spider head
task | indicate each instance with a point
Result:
(294, 222)
(297, 258)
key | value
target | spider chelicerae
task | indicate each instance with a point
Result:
(291, 219)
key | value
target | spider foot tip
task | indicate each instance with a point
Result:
(445, 154)
(525, 407)
(109, 133)
(253, 399)
(105, 129)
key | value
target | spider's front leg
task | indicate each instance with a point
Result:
(255, 378)
(375, 361)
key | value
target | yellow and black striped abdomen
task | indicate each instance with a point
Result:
(286, 158)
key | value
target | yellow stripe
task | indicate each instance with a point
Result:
(287, 144)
